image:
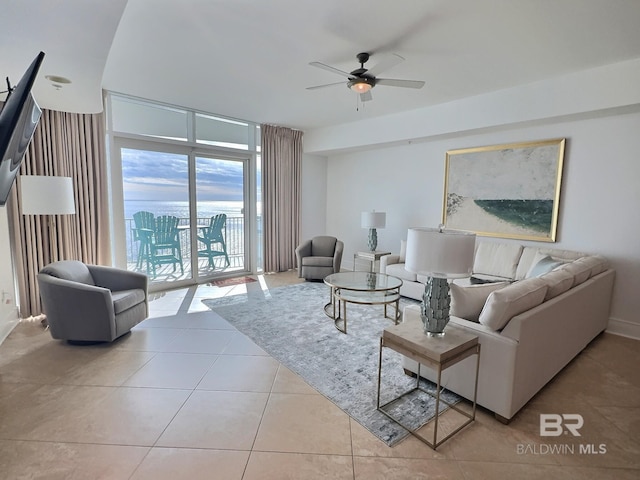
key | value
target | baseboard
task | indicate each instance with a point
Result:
(6, 327)
(624, 328)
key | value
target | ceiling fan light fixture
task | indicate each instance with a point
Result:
(360, 85)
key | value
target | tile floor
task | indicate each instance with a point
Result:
(186, 396)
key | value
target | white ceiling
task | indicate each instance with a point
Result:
(249, 59)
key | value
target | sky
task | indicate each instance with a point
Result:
(149, 175)
(514, 174)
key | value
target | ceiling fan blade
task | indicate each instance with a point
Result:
(390, 82)
(366, 96)
(326, 85)
(386, 63)
(330, 69)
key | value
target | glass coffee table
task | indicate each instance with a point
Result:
(363, 288)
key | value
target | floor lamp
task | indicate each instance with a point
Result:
(45, 195)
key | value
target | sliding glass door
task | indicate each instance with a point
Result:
(220, 212)
(183, 214)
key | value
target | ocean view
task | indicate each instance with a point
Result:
(181, 209)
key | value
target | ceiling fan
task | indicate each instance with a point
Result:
(362, 80)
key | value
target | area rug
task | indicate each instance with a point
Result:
(291, 326)
(226, 282)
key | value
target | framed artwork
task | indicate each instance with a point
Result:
(508, 191)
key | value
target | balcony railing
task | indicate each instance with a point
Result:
(233, 234)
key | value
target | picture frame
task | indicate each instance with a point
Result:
(508, 191)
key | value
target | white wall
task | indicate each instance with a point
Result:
(8, 311)
(599, 198)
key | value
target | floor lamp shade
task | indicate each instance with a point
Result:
(45, 195)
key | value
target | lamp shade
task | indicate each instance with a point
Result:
(440, 253)
(44, 195)
(373, 219)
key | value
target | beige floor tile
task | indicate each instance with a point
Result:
(61, 413)
(200, 341)
(303, 424)
(240, 373)
(190, 464)
(296, 466)
(200, 320)
(240, 344)
(492, 471)
(147, 339)
(222, 420)
(110, 369)
(370, 468)
(366, 444)
(172, 370)
(289, 382)
(67, 461)
(48, 363)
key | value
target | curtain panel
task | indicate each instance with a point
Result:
(66, 145)
(281, 178)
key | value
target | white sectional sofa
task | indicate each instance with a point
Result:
(545, 306)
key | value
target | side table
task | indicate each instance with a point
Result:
(370, 256)
(438, 353)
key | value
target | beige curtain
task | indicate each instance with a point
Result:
(281, 174)
(66, 145)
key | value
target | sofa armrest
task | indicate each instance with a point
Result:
(388, 260)
(116, 279)
(302, 250)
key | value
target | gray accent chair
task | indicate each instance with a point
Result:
(319, 257)
(91, 303)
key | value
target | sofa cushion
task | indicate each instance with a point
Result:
(581, 271)
(125, 299)
(558, 281)
(317, 261)
(505, 303)
(72, 270)
(497, 259)
(597, 263)
(467, 301)
(530, 254)
(542, 264)
(398, 270)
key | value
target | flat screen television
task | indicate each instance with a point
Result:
(18, 120)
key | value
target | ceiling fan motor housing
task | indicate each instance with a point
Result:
(354, 82)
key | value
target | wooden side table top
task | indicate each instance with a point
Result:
(409, 339)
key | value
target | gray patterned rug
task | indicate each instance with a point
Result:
(290, 325)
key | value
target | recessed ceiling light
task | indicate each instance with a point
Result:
(57, 79)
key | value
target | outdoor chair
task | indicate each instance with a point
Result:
(145, 224)
(319, 257)
(91, 303)
(213, 238)
(165, 244)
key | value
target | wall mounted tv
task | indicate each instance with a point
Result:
(18, 120)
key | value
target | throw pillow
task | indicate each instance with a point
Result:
(507, 302)
(542, 264)
(467, 301)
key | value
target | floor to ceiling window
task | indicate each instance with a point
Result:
(185, 192)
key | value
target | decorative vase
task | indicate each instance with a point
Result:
(435, 306)
(372, 241)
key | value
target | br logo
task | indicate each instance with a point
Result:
(554, 425)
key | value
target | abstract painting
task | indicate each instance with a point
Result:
(508, 191)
